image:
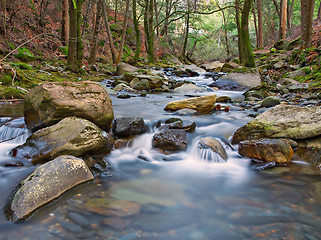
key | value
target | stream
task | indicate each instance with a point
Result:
(181, 195)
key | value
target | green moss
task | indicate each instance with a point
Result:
(24, 55)
(10, 93)
(63, 50)
(21, 65)
(6, 80)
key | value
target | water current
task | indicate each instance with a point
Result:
(142, 193)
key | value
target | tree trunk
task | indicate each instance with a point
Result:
(65, 23)
(226, 37)
(122, 42)
(109, 34)
(283, 19)
(3, 17)
(238, 24)
(184, 50)
(137, 32)
(307, 9)
(149, 29)
(248, 57)
(94, 43)
(156, 18)
(260, 24)
(319, 13)
(255, 27)
(290, 17)
(89, 5)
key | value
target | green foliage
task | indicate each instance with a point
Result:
(6, 80)
(24, 55)
(10, 93)
(21, 65)
(63, 50)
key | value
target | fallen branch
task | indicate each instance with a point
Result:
(22, 45)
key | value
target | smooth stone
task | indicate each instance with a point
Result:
(268, 150)
(47, 182)
(214, 145)
(125, 67)
(201, 104)
(129, 126)
(270, 101)
(79, 219)
(171, 139)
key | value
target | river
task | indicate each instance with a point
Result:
(168, 196)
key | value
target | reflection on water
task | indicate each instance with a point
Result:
(148, 194)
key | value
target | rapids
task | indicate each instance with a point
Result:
(191, 194)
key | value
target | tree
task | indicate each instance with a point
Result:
(65, 22)
(137, 32)
(283, 19)
(242, 18)
(75, 46)
(260, 42)
(307, 10)
(94, 42)
(149, 29)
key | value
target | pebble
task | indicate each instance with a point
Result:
(71, 227)
(79, 219)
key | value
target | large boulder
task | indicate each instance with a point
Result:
(48, 182)
(247, 80)
(123, 68)
(213, 66)
(49, 103)
(129, 126)
(170, 139)
(282, 121)
(201, 104)
(72, 136)
(268, 150)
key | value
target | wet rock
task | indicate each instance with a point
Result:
(125, 67)
(71, 227)
(253, 94)
(48, 182)
(246, 80)
(116, 223)
(123, 95)
(129, 126)
(268, 150)
(266, 166)
(171, 139)
(201, 104)
(223, 99)
(112, 207)
(192, 73)
(282, 121)
(230, 66)
(185, 112)
(214, 145)
(224, 84)
(72, 136)
(79, 219)
(49, 103)
(142, 85)
(270, 101)
(213, 66)
(187, 125)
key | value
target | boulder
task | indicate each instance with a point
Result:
(189, 87)
(48, 182)
(287, 81)
(282, 121)
(72, 136)
(213, 66)
(230, 66)
(154, 80)
(49, 103)
(171, 139)
(201, 104)
(247, 80)
(268, 150)
(123, 68)
(129, 126)
(187, 125)
(270, 101)
(214, 145)
(297, 73)
(141, 85)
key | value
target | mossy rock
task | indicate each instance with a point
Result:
(24, 55)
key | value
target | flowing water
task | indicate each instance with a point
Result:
(184, 195)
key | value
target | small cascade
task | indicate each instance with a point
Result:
(208, 155)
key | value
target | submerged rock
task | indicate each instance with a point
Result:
(49, 103)
(73, 136)
(282, 121)
(129, 126)
(112, 207)
(171, 139)
(201, 104)
(214, 145)
(48, 182)
(268, 150)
